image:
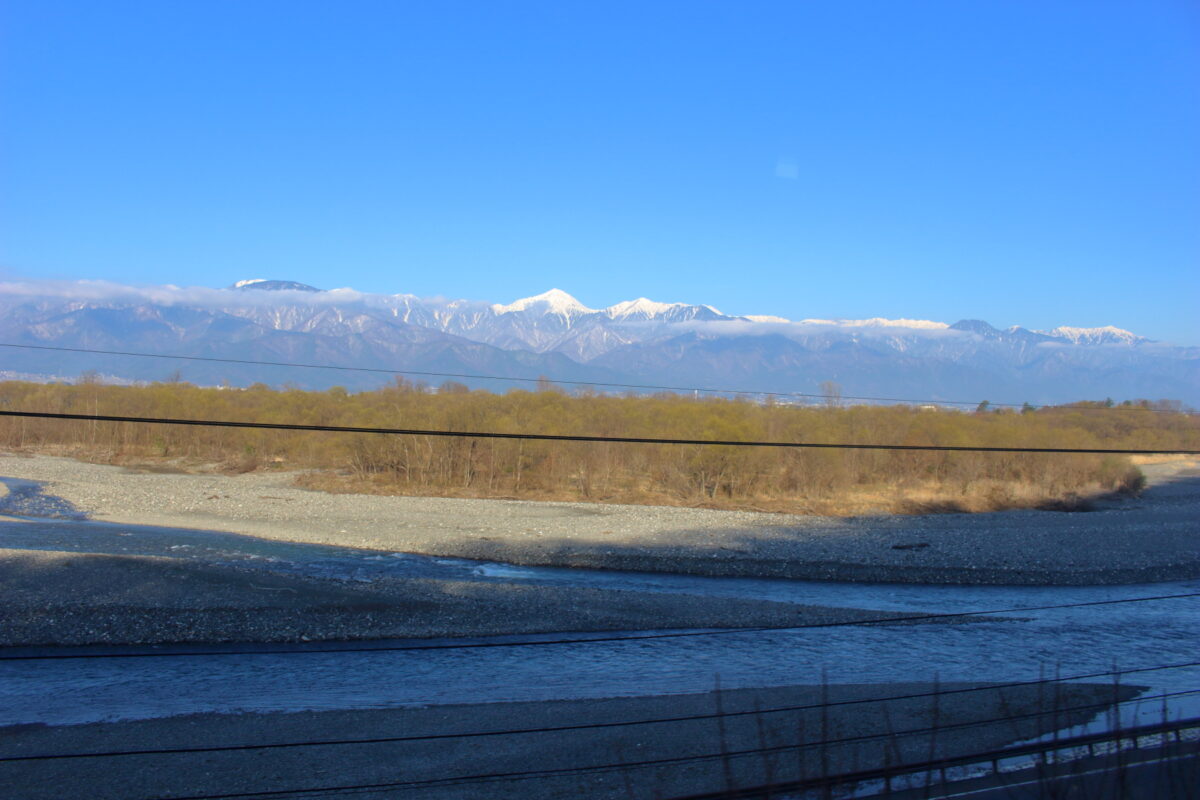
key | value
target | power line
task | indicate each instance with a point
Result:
(595, 725)
(554, 437)
(1073, 746)
(641, 386)
(658, 762)
(601, 639)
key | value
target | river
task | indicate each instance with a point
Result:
(1014, 646)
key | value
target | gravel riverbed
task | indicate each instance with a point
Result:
(63, 581)
(66, 581)
(67, 598)
(1154, 537)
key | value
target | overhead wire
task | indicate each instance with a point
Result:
(675, 760)
(614, 385)
(596, 640)
(556, 437)
(598, 725)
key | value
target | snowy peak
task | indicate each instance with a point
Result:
(642, 308)
(645, 309)
(1107, 334)
(555, 301)
(1078, 336)
(559, 303)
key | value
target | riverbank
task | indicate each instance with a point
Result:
(1154, 537)
(676, 757)
(66, 580)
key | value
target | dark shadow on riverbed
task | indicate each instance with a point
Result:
(79, 581)
(1127, 540)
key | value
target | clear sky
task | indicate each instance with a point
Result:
(1024, 162)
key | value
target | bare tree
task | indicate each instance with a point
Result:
(832, 392)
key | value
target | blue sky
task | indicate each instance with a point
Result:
(1032, 163)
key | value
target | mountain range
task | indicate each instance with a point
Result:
(554, 335)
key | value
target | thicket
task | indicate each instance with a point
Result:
(826, 481)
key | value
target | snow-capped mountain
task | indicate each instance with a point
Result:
(1105, 335)
(643, 310)
(554, 334)
(555, 303)
(554, 321)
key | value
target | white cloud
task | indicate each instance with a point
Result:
(107, 291)
(872, 328)
(877, 322)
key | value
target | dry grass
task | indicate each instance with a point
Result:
(1147, 460)
(795, 480)
(923, 498)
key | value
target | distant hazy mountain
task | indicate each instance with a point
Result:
(553, 334)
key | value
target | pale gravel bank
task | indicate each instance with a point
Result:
(1151, 538)
(957, 713)
(65, 581)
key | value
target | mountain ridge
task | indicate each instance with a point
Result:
(554, 334)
